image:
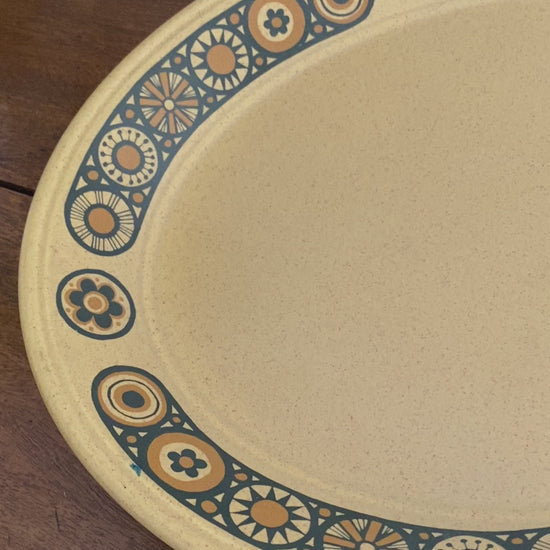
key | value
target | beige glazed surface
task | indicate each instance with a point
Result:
(342, 278)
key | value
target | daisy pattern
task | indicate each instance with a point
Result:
(169, 103)
(277, 22)
(270, 515)
(187, 461)
(95, 304)
(276, 25)
(220, 59)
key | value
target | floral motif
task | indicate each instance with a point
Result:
(187, 461)
(277, 25)
(277, 22)
(96, 303)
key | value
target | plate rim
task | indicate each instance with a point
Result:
(187, 21)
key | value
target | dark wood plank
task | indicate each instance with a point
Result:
(53, 54)
(47, 499)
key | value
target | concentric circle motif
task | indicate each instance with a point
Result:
(185, 462)
(362, 534)
(466, 542)
(270, 515)
(220, 59)
(128, 157)
(101, 220)
(342, 12)
(169, 103)
(276, 25)
(131, 399)
(95, 304)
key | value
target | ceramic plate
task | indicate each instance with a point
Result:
(284, 283)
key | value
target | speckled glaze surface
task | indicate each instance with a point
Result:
(284, 281)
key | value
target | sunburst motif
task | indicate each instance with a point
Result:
(169, 103)
(270, 515)
(362, 534)
(220, 59)
(101, 220)
(543, 543)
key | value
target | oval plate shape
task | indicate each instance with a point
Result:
(283, 281)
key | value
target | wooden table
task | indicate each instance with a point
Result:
(53, 54)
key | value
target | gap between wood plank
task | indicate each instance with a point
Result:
(16, 188)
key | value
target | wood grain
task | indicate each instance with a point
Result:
(47, 498)
(53, 54)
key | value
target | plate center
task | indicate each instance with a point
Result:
(351, 287)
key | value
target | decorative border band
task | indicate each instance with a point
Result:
(124, 165)
(104, 211)
(162, 441)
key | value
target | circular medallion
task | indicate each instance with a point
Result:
(270, 515)
(102, 221)
(220, 59)
(185, 462)
(362, 534)
(276, 25)
(131, 399)
(342, 12)
(95, 304)
(169, 103)
(128, 157)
